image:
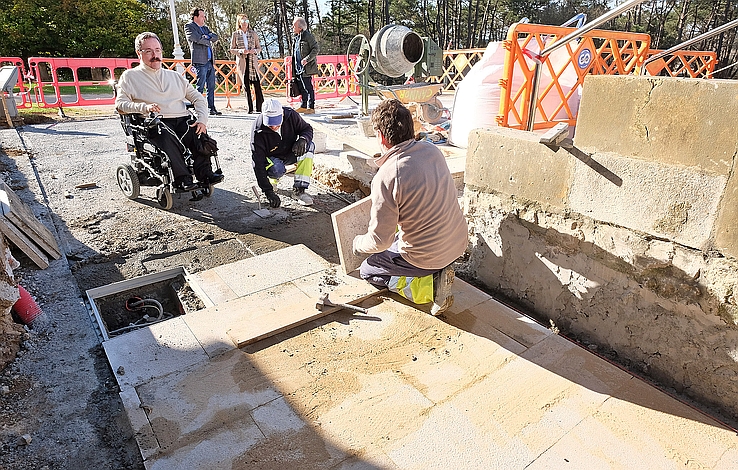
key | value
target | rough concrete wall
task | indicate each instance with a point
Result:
(636, 252)
(656, 303)
(10, 332)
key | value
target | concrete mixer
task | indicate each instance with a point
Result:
(395, 51)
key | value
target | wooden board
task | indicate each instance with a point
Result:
(20, 215)
(347, 223)
(20, 240)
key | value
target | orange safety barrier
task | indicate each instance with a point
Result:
(64, 82)
(20, 91)
(597, 52)
(694, 64)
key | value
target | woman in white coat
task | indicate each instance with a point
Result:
(245, 45)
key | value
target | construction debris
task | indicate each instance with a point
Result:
(22, 228)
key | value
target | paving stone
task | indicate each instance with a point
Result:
(153, 351)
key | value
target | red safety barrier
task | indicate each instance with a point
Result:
(59, 81)
(20, 92)
(334, 78)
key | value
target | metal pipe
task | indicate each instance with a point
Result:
(689, 42)
(564, 41)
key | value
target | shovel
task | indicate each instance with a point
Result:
(263, 213)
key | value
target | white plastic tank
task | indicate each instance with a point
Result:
(477, 99)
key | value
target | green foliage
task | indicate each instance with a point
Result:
(74, 28)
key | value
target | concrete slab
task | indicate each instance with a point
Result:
(481, 387)
(214, 288)
(349, 222)
(139, 356)
(248, 276)
(211, 326)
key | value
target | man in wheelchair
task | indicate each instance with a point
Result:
(149, 89)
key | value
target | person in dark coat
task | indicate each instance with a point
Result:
(305, 63)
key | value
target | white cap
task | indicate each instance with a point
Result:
(271, 110)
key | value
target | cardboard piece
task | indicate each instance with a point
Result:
(20, 215)
(347, 223)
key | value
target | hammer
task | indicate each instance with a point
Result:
(325, 302)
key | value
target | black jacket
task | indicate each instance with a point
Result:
(267, 143)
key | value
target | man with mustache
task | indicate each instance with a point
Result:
(149, 88)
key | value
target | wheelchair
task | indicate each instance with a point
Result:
(150, 165)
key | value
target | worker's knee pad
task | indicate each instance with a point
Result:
(277, 168)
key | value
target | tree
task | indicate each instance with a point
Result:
(74, 28)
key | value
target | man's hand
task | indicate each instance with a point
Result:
(153, 108)
(300, 146)
(200, 128)
(273, 199)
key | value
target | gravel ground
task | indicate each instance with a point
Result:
(59, 404)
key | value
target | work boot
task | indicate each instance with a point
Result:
(442, 298)
(302, 197)
(301, 109)
(310, 111)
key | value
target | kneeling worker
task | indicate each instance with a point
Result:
(416, 228)
(281, 137)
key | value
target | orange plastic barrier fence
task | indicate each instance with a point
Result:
(64, 82)
(334, 78)
(598, 52)
(20, 91)
(694, 64)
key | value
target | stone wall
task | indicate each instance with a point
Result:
(10, 332)
(628, 239)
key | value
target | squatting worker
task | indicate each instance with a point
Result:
(305, 63)
(149, 88)
(416, 228)
(281, 137)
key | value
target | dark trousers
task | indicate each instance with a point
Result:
(258, 96)
(307, 91)
(176, 134)
(206, 78)
(379, 267)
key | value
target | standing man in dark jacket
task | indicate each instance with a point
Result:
(201, 41)
(281, 137)
(305, 63)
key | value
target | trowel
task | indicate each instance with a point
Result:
(263, 213)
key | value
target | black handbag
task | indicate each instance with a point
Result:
(295, 87)
(206, 145)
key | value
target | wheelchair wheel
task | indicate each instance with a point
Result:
(128, 181)
(164, 198)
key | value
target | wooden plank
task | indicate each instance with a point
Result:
(19, 214)
(291, 313)
(347, 223)
(19, 239)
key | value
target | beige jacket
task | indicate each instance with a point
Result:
(143, 85)
(254, 48)
(414, 195)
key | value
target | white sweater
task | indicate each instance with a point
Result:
(143, 85)
(414, 195)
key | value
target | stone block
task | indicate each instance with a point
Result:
(513, 162)
(670, 201)
(347, 223)
(726, 228)
(669, 120)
